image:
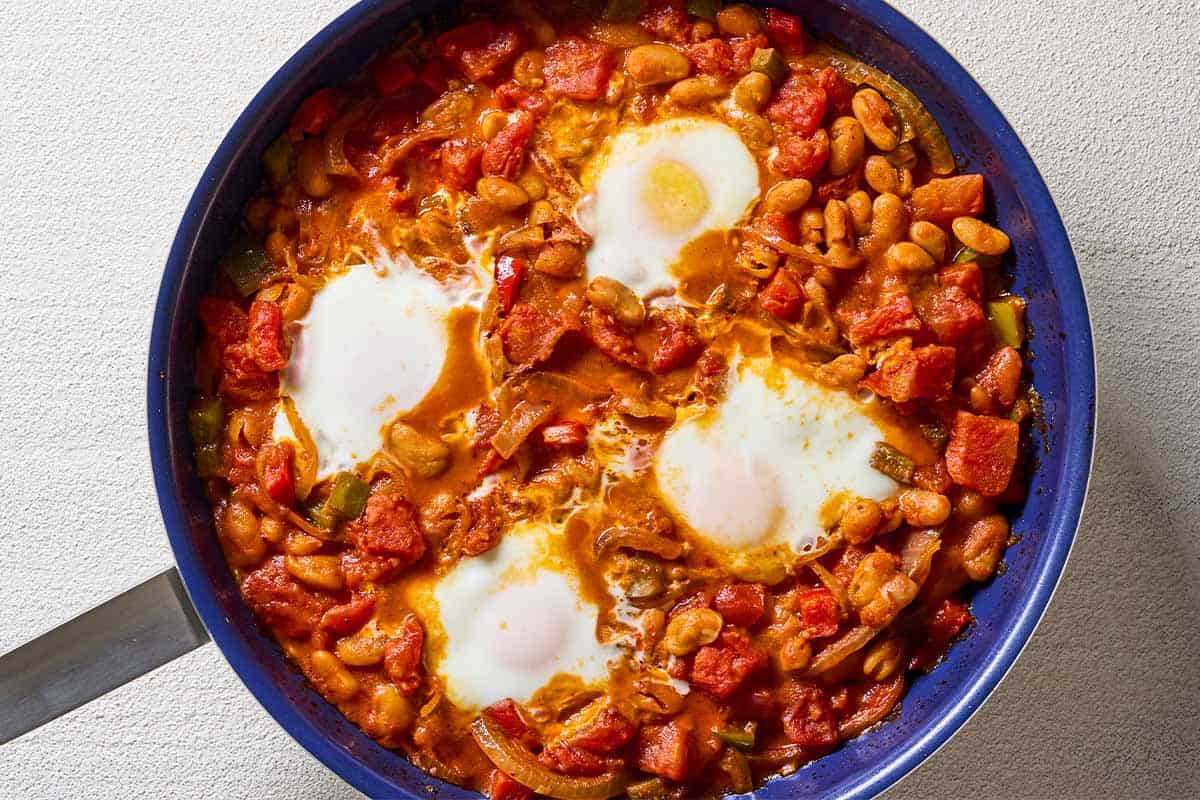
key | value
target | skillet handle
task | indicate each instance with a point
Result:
(96, 652)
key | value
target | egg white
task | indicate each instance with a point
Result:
(754, 475)
(371, 346)
(638, 242)
(510, 621)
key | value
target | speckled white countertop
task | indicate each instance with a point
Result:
(109, 111)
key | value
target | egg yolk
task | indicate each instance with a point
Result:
(674, 196)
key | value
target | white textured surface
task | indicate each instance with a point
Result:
(109, 111)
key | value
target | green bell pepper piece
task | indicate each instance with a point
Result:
(208, 460)
(1005, 316)
(704, 9)
(892, 462)
(277, 160)
(769, 62)
(651, 789)
(965, 255)
(247, 265)
(739, 738)
(204, 420)
(348, 496)
(622, 10)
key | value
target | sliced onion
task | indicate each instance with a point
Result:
(525, 418)
(513, 759)
(336, 162)
(394, 152)
(832, 584)
(880, 707)
(842, 648)
(794, 250)
(913, 114)
(636, 539)
(917, 552)
(305, 460)
(782, 754)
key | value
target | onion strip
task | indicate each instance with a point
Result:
(794, 250)
(526, 417)
(635, 539)
(523, 767)
(842, 648)
(832, 584)
(867, 716)
(915, 118)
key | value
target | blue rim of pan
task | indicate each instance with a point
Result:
(856, 770)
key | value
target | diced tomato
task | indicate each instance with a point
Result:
(565, 435)
(743, 50)
(712, 56)
(275, 472)
(402, 656)
(943, 199)
(577, 68)
(1001, 376)
(611, 339)
(433, 77)
(782, 296)
(393, 74)
(223, 320)
(932, 477)
(895, 316)
(485, 424)
(679, 344)
(460, 160)
(710, 364)
(510, 271)
(486, 525)
(360, 568)
(741, 603)
(954, 317)
(266, 335)
(242, 380)
(507, 714)
(281, 601)
(502, 787)
(700, 599)
(839, 188)
(608, 732)
(965, 276)
(838, 91)
(666, 20)
(664, 749)
(949, 619)
(512, 96)
(777, 224)
(346, 618)
(798, 106)
(502, 156)
(490, 463)
(922, 373)
(721, 668)
(238, 463)
(785, 32)
(389, 528)
(316, 112)
(529, 335)
(479, 49)
(808, 718)
(819, 613)
(802, 158)
(567, 759)
(982, 452)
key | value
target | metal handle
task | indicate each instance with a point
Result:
(96, 652)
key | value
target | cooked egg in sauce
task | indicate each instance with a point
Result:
(401, 317)
(512, 620)
(659, 188)
(756, 471)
